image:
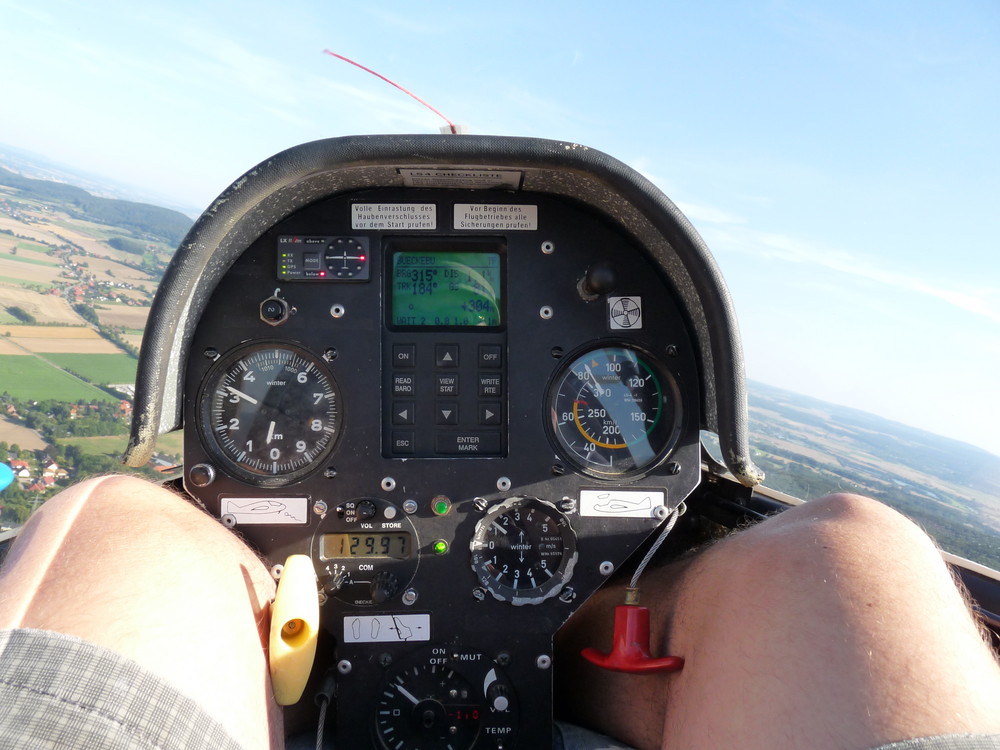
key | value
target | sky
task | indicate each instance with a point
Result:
(841, 159)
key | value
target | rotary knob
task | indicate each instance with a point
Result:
(383, 587)
(498, 696)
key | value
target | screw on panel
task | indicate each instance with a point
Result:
(330, 472)
(338, 310)
(321, 594)
(557, 352)
(480, 504)
(384, 660)
(276, 571)
(479, 594)
(567, 505)
(548, 247)
(229, 521)
(558, 470)
(544, 661)
(202, 475)
(661, 512)
(504, 484)
(320, 508)
(410, 597)
(211, 353)
(606, 568)
(330, 354)
(567, 595)
(546, 313)
(673, 468)
(388, 484)
(672, 350)
(503, 659)
(344, 666)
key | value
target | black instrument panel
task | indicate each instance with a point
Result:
(469, 411)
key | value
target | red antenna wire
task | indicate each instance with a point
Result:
(454, 128)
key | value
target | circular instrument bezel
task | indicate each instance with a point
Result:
(506, 517)
(323, 406)
(596, 455)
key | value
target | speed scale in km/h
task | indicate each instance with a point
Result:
(614, 411)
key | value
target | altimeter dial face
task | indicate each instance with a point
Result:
(271, 413)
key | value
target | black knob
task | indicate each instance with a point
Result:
(274, 310)
(600, 279)
(366, 510)
(383, 587)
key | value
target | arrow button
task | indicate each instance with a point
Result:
(403, 413)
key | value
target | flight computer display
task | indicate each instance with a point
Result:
(445, 288)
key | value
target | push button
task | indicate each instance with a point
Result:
(489, 414)
(490, 356)
(404, 355)
(490, 385)
(403, 413)
(447, 385)
(403, 384)
(447, 413)
(468, 443)
(446, 355)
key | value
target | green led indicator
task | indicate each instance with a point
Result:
(440, 547)
(440, 505)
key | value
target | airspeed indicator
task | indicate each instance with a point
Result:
(614, 411)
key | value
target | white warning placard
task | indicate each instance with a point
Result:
(503, 217)
(406, 216)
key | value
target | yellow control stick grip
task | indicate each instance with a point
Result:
(294, 629)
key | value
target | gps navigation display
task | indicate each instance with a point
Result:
(446, 288)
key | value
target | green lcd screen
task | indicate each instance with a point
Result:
(446, 288)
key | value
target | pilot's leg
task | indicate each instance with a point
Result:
(832, 625)
(129, 566)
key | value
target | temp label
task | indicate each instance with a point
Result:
(266, 510)
(406, 216)
(621, 503)
(476, 179)
(387, 628)
(496, 217)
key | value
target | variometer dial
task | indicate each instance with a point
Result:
(270, 412)
(614, 411)
(523, 550)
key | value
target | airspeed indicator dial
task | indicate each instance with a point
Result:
(270, 413)
(614, 411)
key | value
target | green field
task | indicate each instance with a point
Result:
(103, 369)
(28, 377)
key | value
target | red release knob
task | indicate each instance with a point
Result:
(630, 645)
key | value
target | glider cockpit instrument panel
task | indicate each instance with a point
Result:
(466, 377)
